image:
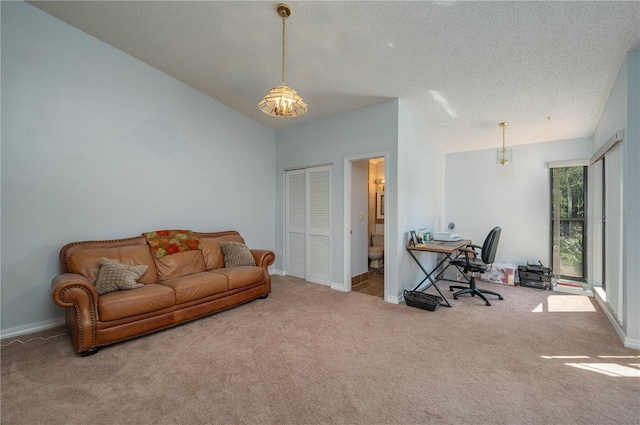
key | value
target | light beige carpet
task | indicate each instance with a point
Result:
(312, 355)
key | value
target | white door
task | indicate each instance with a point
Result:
(308, 224)
(296, 223)
(597, 238)
(613, 229)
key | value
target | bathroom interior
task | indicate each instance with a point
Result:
(372, 282)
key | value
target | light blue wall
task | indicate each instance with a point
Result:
(631, 202)
(614, 115)
(421, 197)
(414, 180)
(481, 194)
(622, 112)
(97, 145)
(367, 130)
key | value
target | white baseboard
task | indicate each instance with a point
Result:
(394, 299)
(31, 328)
(338, 287)
(277, 272)
(632, 343)
(601, 298)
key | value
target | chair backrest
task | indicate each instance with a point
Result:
(490, 246)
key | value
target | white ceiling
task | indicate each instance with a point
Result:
(459, 66)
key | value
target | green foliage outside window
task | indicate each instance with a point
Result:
(571, 182)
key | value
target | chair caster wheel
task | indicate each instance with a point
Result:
(488, 303)
(500, 298)
(455, 298)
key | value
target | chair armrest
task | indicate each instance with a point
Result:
(467, 251)
(264, 258)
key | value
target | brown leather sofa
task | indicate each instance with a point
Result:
(177, 288)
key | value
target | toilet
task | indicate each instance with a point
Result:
(376, 250)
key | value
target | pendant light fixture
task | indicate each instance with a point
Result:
(283, 101)
(504, 155)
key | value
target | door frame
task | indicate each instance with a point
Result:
(348, 163)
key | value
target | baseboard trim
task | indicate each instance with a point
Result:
(31, 328)
(632, 343)
(277, 272)
(339, 287)
(394, 299)
(600, 297)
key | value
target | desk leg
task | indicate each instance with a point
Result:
(429, 274)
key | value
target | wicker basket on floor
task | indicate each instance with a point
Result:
(422, 300)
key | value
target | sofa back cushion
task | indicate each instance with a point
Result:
(179, 264)
(86, 262)
(212, 252)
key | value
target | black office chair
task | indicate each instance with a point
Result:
(470, 262)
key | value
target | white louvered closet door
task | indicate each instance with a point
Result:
(308, 224)
(319, 225)
(296, 223)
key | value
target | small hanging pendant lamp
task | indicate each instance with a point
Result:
(283, 101)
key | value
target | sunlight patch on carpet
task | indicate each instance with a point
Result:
(609, 369)
(565, 304)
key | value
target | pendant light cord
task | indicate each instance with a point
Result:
(503, 137)
(283, 50)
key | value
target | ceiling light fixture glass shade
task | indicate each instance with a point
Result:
(504, 155)
(283, 101)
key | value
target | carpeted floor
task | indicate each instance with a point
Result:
(312, 355)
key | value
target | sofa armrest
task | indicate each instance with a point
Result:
(80, 298)
(264, 258)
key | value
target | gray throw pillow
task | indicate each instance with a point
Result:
(115, 276)
(236, 254)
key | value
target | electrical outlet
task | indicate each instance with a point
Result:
(278, 252)
(361, 215)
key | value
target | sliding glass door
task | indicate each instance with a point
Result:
(568, 222)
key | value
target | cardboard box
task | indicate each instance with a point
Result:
(504, 273)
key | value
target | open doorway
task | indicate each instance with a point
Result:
(367, 225)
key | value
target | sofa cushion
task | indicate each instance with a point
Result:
(179, 264)
(213, 256)
(121, 304)
(115, 276)
(197, 286)
(241, 276)
(86, 262)
(236, 255)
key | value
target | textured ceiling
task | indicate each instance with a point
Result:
(459, 66)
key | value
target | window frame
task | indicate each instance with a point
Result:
(583, 220)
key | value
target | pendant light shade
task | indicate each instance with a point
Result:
(283, 101)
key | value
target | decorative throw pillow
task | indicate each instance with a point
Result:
(114, 276)
(236, 254)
